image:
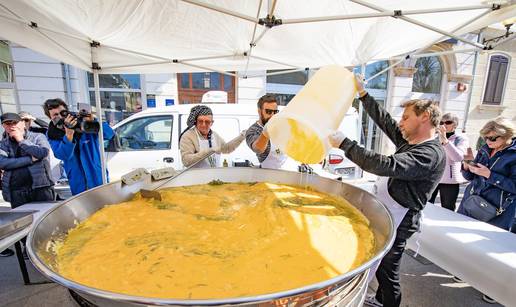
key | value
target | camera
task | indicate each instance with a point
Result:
(82, 126)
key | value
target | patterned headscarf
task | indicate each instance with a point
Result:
(195, 112)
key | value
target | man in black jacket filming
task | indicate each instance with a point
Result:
(406, 180)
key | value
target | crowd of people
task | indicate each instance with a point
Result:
(25, 155)
(431, 159)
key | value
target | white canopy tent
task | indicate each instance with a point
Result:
(124, 36)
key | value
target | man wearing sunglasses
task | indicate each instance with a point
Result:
(257, 138)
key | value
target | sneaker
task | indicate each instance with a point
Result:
(7, 253)
(457, 279)
(488, 299)
(370, 300)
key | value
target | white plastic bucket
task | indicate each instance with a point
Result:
(302, 128)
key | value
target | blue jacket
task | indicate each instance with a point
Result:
(34, 145)
(501, 184)
(81, 159)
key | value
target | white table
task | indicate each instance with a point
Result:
(40, 208)
(482, 255)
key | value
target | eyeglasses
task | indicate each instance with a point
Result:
(205, 122)
(448, 122)
(491, 138)
(271, 111)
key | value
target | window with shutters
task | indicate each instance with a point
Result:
(496, 79)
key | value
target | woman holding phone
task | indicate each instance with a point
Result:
(493, 172)
(455, 146)
(493, 178)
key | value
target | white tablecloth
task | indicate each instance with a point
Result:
(41, 208)
(482, 255)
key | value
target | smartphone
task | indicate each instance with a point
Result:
(470, 162)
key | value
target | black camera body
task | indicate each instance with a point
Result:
(82, 126)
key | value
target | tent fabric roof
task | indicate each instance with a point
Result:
(147, 36)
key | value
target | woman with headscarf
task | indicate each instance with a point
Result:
(456, 147)
(198, 140)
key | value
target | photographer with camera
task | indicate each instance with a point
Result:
(74, 140)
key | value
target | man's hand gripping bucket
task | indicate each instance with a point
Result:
(302, 128)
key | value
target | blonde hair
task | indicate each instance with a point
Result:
(501, 126)
(425, 105)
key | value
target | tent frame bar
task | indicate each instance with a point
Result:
(286, 71)
(253, 42)
(221, 10)
(418, 51)
(273, 61)
(25, 22)
(421, 24)
(391, 13)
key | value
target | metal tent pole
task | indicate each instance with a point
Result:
(386, 13)
(426, 26)
(222, 10)
(96, 68)
(101, 132)
(420, 50)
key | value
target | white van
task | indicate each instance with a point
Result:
(336, 161)
(150, 139)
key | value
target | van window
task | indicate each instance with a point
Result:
(147, 133)
(227, 128)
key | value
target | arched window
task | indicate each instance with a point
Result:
(496, 77)
(427, 78)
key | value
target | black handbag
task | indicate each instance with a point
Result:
(479, 208)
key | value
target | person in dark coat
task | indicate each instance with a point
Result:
(493, 171)
(24, 160)
(406, 179)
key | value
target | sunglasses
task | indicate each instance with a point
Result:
(205, 122)
(10, 122)
(271, 111)
(491, 138)
(448, 122)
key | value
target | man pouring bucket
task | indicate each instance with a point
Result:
(406, 180)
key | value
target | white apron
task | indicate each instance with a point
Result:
(398, 212)
(275, 159)
(211, 161)
(381, 192)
